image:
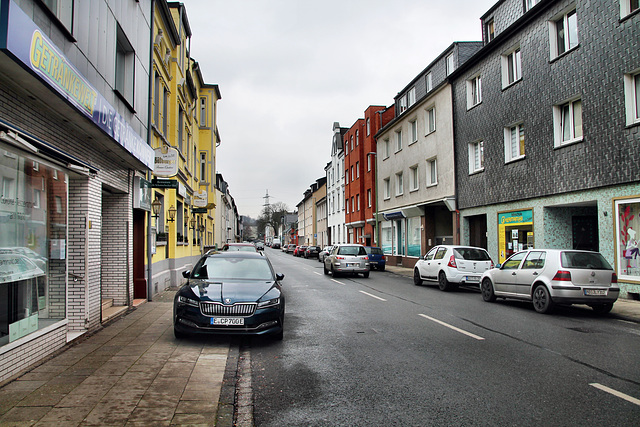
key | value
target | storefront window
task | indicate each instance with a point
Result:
(398, 247)
(385, 237)
(515, 232)
(413, 236)
(627, 226)
(33, 233)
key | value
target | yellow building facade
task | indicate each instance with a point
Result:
(184, 136)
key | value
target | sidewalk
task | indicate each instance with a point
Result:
(132, 372)
(625, 309)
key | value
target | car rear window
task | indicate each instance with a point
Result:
(220, 268)
(472, 254)
(351, 250)
(587, 260)
(376, 251)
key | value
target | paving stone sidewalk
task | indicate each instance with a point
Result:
(132, 372)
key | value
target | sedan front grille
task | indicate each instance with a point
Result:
(217, 309)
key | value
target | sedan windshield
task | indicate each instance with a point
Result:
(220, 268)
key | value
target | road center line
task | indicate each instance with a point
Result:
(616, 393)
(469, 334)
(315, 272)
(340, 283)
(373, 296)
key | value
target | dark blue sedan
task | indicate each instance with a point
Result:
(230, 293)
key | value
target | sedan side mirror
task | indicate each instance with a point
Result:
(186, 274)
(498, 265)
(279, 276)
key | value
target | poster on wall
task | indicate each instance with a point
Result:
(627, 215)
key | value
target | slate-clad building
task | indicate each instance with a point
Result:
(546, 124)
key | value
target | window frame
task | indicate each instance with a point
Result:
(430, 119)
(511, 67)
(398, 134)
(450, 64)
(124, 68)
(626, 9)
(474, 91)
(473, 146)
(508, 142)
(491, 29)
(554, 30)
(414, 178)
(413, 130)
(386, 187)
(429, 82)
(432, 172)
(399, 184)
(559, 123)
(632, 97)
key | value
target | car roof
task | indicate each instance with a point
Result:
(236, 254)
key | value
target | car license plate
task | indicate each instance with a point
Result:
(353, 264)
(227, 321)
(595, 292)
(473, 278)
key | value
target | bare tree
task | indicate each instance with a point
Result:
(272, 215)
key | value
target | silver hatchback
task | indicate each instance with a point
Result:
(548, 277)
(347, 259)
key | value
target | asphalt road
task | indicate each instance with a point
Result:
(381, 351)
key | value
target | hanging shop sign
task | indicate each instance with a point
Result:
(164, 183)
(393, 215)
(201, 199)
(141, 194)
(27, 43)
(166, 161)
(199, 210)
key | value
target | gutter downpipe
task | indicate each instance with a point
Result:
(149, 135)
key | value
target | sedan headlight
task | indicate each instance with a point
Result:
(187, 301)
(274, 302)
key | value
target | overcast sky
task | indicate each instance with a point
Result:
(289, 69)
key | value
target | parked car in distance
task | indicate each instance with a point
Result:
(239, 247)
(312, 252)
(290, 248)
(260, 246)
(230, 293)
(347, 259)
(547, 277)
(300, 251)
(323, 253)
(377, 260)
(450, 266)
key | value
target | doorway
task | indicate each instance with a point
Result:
(139, 279)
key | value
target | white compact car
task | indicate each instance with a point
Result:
(450, 266)
(552, 276)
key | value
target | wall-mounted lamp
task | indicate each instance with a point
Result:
(172, 214)
(155, 207)
(192, 223)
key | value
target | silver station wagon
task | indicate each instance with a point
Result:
(347, 259)
(548, 277)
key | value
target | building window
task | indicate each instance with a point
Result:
(413, 178)
(165, 112)
(402, 104)
(450, 66)
(563, 34)
(386, 186)
(346, 204)
(351, 142)
(369, 197)
(357, 202)
(432, 172)
(528, 4)
(125, 67)
(632, 98)
(357, 137)
(203, 111)
(368, 126)
(413, 129)
(368, 163)
(357, 169)
(431, 120)
(399, 184)
(511, 67)
(63, 10)
(628, 6)
(387, 148)
(568, 122)
(514, 142)
(491, 30)
(203, 167)
(180, 128)
(476, 156)
(474, 92)
(429, 82)
(411, 97)
(352, 179)
(398, 140)
(156, 99)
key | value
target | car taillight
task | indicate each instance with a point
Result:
(614, 278)
(562, 276)
(340, 257)
(366, 257)
(452, 262)
(491, 268)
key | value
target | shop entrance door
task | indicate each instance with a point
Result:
(139, 281)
